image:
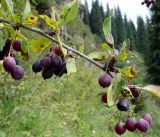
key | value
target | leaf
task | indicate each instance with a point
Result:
(31, 19)
(129, 71)
(9, 7)
(71, 66)
(39, 44)
(155, 90)
(51, 22)
(107, 29)
(98, 56)
(115, 88)
(123, 54)
(69, 12)
(26, 11)
(106, 46)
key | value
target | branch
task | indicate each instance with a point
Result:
(38, 31)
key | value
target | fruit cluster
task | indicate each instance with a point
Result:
(10, 63)
(131, 124)
(53, 63)
(123, 104)
(148, 2)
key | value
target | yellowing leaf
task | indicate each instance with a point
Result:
(39, 44)
(51, 22)
(71, 66)
(98, 56)
(155, 90)
(129, 71)
(31, 19)
(123, 54)
(105, 46)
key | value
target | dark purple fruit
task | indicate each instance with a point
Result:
(45, 62)
(9, 63)
(147, 117)
(120, 128)
(105, 80)
(131, 124)
(17, 45)
(123, 105)
(104, 97)
(17, 73)
(135, 92)
(56, 62)
(8, 43)
(142, 125)
(47, 73)
(36, 67)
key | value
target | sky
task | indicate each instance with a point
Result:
(132, 8)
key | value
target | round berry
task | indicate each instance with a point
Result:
(105, 80)
(17, 45)
(135, 92)
(45, 62)
(142, 125)
(104, 97)
(36, 67)
(131, 124)
(120, 128)
(17, 73)
(47, 73)
(123, 105)
(9, 63)
(56, 62)
(147, 117)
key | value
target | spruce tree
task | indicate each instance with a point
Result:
(153, 58)
(86, 13)
(129, 32)
(141, 36)
(119, 26)
(95, 19)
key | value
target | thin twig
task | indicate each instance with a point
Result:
(38, 31)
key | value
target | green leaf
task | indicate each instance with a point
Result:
(98, 56)
(69, 12)
(107, 29)
(105, 46)
(8, 4)
(123, 54)
(155, 90)
(115, 88)
(129, 71)
(26, 11)
(39, 44)
(71, 66)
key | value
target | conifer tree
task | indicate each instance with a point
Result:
(153, 58)
(141, 36)
(95, 19)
